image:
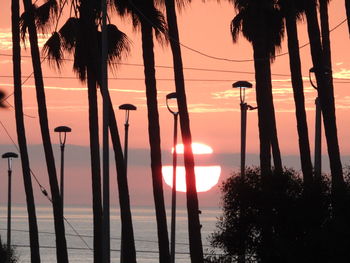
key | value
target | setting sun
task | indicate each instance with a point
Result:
(206, 176)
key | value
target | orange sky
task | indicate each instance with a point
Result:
(213, 104)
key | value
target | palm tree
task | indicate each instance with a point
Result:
(145, 15)
(21, 135)
(196, 248)
(29, 23)
(292, 12)
(347, 7)
(261, 24)
(80, 36)
(326, 95)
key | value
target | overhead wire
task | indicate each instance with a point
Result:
(42, 188)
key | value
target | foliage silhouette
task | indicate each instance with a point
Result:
(319, 239)
(3, 254)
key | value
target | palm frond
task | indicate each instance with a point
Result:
(45, 15)
(53, 50)
(24, 21)
(70, 33)
(118, 44)
(80, 60)
(236, 26)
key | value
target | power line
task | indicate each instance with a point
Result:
(42, 188)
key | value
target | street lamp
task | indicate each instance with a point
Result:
(62, 131)
(9, 156)
(318, 130)
(172, 96)
(242, 86)
(127, 107)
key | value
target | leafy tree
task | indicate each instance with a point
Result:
(145, 16)
(294, 238)
(13, 258)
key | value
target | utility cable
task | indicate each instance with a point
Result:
(42, 188)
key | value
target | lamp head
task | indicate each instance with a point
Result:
(171, 96)
(10, 155)
(127, 106)
(62, 129)
(242, 85)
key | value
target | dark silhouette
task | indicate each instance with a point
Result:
(146, 16)
(80, 36)
(196, 249)
(21, 134)
(261, 23)
(326, 96)
(294, 239)
(347, 7)
(28, 23)
(292, 12)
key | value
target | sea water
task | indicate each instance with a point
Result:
(79, 232)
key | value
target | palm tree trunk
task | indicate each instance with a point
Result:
(154, 140)
(196, 248)
(95, 165)
(21, 135)
(61, 245)
(347, 7)
(128, 248)
(298, 92)
(326, 95)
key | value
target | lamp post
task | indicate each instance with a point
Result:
(9, 156)
(171, 96)
(318, 130)
(127, 107)
(242, 86)
(62, 132)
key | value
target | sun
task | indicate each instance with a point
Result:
(207, 176)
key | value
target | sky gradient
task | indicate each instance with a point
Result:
(212, 63)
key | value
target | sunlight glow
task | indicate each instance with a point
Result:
(206, 177)
(197, 148)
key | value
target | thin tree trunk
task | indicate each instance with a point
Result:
(298, 92)
(61, 245)
(21, 135)
(154, 141)
(326, 95)
(347, 7)
(196, 249)
(95, 165)
(129, 251)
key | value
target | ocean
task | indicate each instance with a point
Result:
(80, 218)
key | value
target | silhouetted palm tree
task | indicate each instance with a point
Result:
(292, 12)
(21, 135)
(326, 95)
(347, 7)
(261, 23)
(80, 36)
(29, 23)
(145, 15)
(196, 249)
